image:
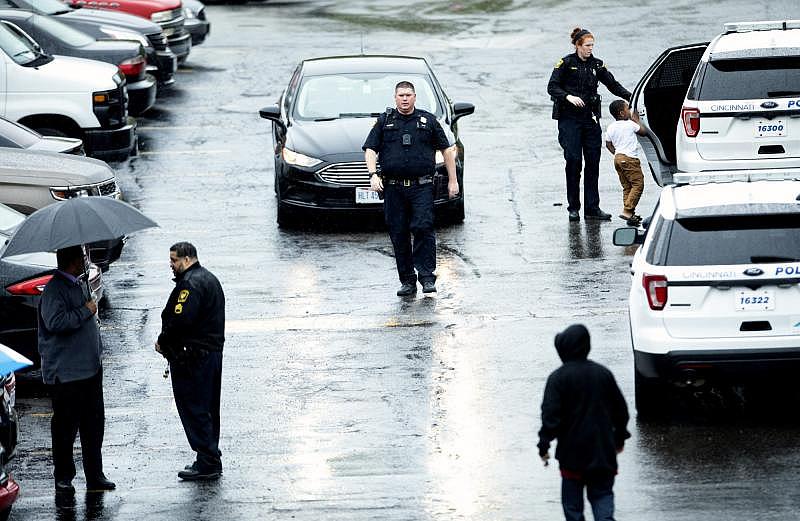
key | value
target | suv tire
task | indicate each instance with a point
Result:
(650, 396)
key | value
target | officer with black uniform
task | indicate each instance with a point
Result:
(191, 339)
(406, 139)
(576, 106)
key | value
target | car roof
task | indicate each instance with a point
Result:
(756, 43)
(733, 198)
(364, 63)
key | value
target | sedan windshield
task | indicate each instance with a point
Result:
(16, 46)
(61, 31)
(358, 95)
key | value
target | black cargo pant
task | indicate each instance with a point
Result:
(78, 406)
(196, 386)
(408, 210)
(581, 136)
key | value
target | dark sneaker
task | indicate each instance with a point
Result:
(100, 483)
(64, 486)
(429, 286)
(574, 215)
(407, 289)
(597, 215)
(634, 221)
(194, 474)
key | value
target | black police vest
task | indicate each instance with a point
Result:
(407, 149)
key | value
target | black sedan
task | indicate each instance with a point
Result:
(161, 61)
(55, 37)
(322, 119)
(14, 135)
(22, 279)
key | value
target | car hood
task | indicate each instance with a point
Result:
(32, 167)
(325, 139)
(107, 50)
(125, 20)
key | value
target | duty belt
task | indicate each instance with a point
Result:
(426, 179)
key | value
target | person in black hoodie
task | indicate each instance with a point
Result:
(585, 411)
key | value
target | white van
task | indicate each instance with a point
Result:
(63, 96)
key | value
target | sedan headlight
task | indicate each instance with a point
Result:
(294, 158)
(161, 16)
(122, 34)
(188, 13)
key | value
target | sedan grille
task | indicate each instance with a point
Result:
(347, 174)
(108, 189)
(158, 41)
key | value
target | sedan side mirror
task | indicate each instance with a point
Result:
(627, 236)
(273, 113)
(461, 109)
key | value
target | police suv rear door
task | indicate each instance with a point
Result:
(658, 98)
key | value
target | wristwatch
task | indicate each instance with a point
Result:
(373, 173)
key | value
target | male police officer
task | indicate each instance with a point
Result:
(406, 139)
(192, 335)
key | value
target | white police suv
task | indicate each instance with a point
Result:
(730, 104)
(715, 290)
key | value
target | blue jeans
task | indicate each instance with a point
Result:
(581, 137)
(599, 490)
(408, 211)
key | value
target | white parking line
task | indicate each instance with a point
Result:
(184, 152)
(187, 127)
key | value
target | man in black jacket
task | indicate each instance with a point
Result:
(192, 336)
(584, 410)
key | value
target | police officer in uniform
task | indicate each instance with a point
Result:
(406, 139)
(191, 339)
(576, 106)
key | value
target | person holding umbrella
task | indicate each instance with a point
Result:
(70, 347)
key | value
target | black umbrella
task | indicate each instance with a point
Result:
(80, 220)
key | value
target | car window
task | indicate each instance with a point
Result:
(9, 219)
(11, 132)
(751, 79)
(359, 93)
(47, 6)
(733, 240)
(16, 45)
(62, 32)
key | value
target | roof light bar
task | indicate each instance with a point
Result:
(773, 25)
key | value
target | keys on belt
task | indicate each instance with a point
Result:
(409, 182)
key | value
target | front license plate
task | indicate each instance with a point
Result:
(367, 196)
(770, 128)
(761, 300)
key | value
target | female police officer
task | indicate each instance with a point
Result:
(576, 106)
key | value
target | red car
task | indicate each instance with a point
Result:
(166, 13)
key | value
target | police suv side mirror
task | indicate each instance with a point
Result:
(627, 236)
(272, 113)
(461, 109)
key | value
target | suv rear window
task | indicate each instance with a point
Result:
(733, 240)
(752, 78)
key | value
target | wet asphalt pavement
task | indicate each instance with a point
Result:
(342, 401)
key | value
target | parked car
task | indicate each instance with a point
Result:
(53, 37)
(161, 61)
(14, 135)
(196, 23)
(63, 96)
(322, 119)
(715, 284)
(166, 13)
(724, 105)
(22, 280)
(31, 180)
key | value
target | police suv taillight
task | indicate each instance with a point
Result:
(655, 287)
(691, 121)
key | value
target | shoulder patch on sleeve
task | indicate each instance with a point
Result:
(178, 309)
(183, 295)
(559, 64)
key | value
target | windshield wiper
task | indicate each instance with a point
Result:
(772, 258)
(331, 118)
(359, 114)
(782, 93)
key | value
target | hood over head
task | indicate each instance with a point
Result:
(573, 343)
